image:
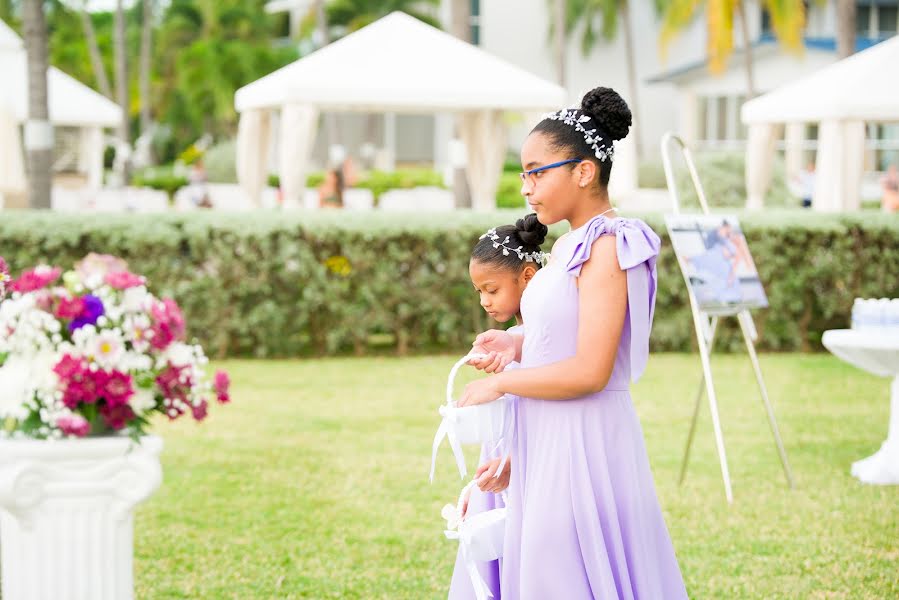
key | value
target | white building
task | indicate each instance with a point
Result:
(678, 92)
(675, 91)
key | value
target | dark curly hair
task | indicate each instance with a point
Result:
(610, 115)
(529, 233)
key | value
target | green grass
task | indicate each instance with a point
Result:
(313, 484)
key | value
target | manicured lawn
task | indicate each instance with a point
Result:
(313, 484)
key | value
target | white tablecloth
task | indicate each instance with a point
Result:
(875, 351)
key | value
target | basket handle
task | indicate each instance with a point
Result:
(452, 374)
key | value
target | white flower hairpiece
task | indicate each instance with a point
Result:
(537, 257)
(570, 117)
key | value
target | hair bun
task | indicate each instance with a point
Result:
(531, 231)
(609, 110)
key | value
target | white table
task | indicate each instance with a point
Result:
(875, 351)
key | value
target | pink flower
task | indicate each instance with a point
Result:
(84, 386)
(68, 365)
(35, 279)
(117, 417)
(168, 324)
(74, 425)
(200, 411)
(118, 388)
(174, 382)
(122, 280)
(222, 383)
(69, 308)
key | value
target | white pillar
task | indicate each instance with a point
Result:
(759, 162)
(90, 156)
(66, 528)
(388, 160)
(252, 152)
(838, 168)
(297, 129)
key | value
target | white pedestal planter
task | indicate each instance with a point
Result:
(66, 509)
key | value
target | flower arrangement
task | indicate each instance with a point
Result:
(93, 352)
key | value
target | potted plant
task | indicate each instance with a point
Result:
(87, 357)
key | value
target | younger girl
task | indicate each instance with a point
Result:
(502, 263)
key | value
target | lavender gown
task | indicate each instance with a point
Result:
(584, 520)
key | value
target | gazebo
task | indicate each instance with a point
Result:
(842, 97)
(71, 103)
(396, 64)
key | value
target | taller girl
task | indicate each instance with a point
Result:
(583, 518)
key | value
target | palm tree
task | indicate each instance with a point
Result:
(121, 63)
(146, 41)
(39, 142)
(350, 15)
(846, 18)
(94, 49)
(600, 19)
(787, 18)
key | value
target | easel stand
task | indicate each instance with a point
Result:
(706, 325)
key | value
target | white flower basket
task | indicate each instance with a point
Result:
(66, 507)
(480, 537)
(479, 424)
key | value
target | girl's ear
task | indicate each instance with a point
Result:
(587, 173)
(527, 273)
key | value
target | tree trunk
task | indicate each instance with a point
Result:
(38, 130)
(94, 50)
(631, 75)
(846, 25)
(747, 50)
(559, 20)
(146, 40)
(121, 60)
(460, 26)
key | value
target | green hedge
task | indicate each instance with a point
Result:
(284, 284)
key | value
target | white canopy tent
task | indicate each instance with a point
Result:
(71, 104)
(842, 97)
(396, 64)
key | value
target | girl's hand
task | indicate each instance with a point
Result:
(499, 348)
(485, 476)
(479, 392)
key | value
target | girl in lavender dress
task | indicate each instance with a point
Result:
(502, 264)
(583, 518)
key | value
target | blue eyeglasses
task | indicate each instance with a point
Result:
(529, 176)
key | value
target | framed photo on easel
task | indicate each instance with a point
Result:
(716, 262)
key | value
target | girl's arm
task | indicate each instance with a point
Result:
(601, 312)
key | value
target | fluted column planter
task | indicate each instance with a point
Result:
(66, 515)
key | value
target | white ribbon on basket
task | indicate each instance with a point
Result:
(447, 430)
(454, 518)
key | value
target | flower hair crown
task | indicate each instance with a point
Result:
(537, 257)
(569, 116)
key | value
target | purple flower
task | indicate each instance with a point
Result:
(93, 310)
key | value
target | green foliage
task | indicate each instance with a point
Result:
(508, 195)
(723, 176)
(285, 284)
(220, 163)
(160, 178)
